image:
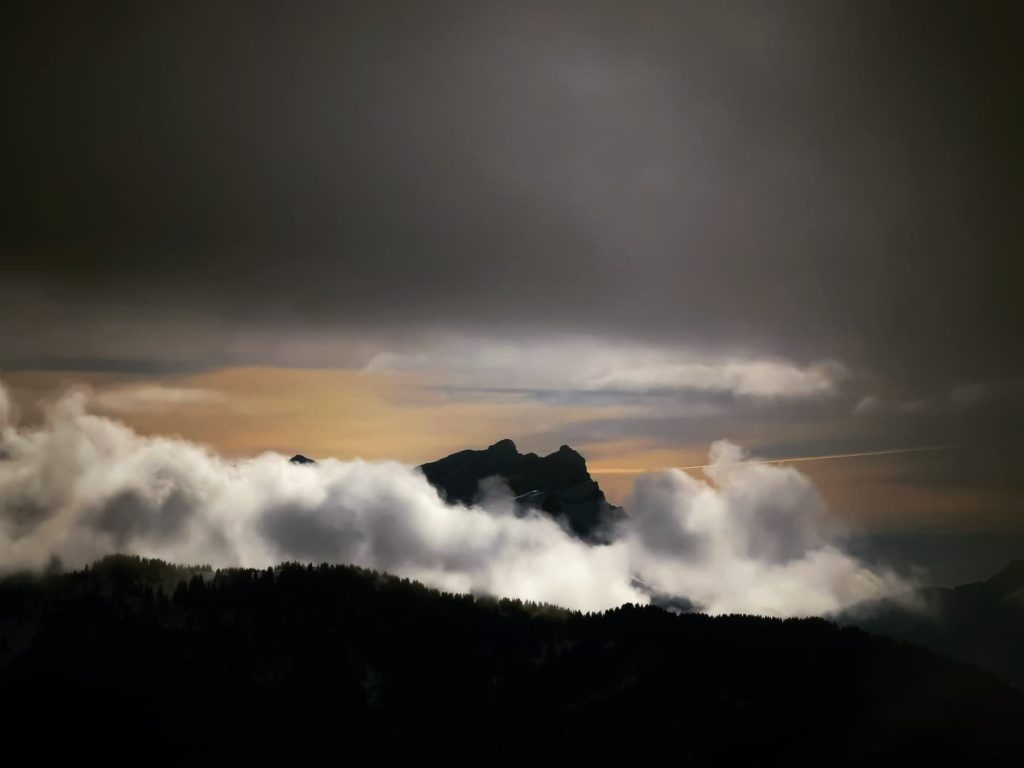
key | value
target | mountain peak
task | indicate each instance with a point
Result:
(298, 458)
(558, 483)
(1010, 579)
(504, 446)
(567, 453)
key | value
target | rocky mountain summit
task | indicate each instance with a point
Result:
(559, 484)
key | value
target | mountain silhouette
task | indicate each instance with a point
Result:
(133, 659)
(982, 622)
(559, 484)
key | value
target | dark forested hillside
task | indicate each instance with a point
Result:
(337, 663)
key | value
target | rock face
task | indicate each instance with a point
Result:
(558, 483)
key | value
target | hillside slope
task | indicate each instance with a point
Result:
(981, 623)
(320, 662)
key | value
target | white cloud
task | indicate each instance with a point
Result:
(750, 537)
(149, 398)
(867, 404)
(589, 365)
(753, 538)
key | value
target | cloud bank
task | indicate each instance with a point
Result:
(150, 398)
(598, 365)
(749, 538)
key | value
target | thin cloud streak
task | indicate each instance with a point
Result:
(590, 365)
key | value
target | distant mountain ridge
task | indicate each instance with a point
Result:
(981, 622)
(558, 484)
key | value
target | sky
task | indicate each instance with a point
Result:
(393, 230)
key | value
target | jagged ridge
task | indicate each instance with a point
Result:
(558, 483)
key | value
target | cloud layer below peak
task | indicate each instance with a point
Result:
(749, 538)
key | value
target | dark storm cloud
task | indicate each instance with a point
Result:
(189, 186)
(144, 366)
(808, 179)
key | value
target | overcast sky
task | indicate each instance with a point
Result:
(636, 227)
